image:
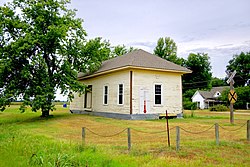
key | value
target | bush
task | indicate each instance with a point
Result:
(218, 108)
(188, 105)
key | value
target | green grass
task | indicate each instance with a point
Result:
(28, 140)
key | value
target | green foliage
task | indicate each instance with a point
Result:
(166, 48)
(219, 108)
(101, 51)
(240, 63)
(216, 82)
(242, 97)
(189, 94)
(120, 50)
(224, 95)
(188, 105)
(43, 47)
(201, 72)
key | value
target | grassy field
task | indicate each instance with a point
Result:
(28, 140)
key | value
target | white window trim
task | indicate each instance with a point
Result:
(122, 94)
(104, 95)
(158, 105)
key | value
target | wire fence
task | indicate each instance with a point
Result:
(100, 135)
(216, 126)
(197, 132)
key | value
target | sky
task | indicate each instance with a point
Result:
(220, 28)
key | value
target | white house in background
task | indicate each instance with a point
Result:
(206, 99)
(137, 85)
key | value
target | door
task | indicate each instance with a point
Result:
(88, 97)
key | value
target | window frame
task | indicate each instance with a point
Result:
(105, 95)
(118, 94)
(161, 94)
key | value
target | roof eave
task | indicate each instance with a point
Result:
(133, 67)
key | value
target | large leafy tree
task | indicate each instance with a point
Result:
(42, 48)
(166, 48)
(240, 63)
(201, 72)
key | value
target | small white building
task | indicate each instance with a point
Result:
(137, 85)
(206, 99)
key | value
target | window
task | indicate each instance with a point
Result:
(158, 94)
(120, 94)
(105, 95)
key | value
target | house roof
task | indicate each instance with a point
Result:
(205, 94)
(138, 59)
(210, 94)
(218, 89)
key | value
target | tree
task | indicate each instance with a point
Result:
(218, 82)
(120, 50)
(166, 48)
(42, 48)
(240, 63)
(201, 72)
(100, 49)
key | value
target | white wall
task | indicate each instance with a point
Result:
(111, 80)
(198, 98)
(142, 79)
(171, 91)
(77, 103)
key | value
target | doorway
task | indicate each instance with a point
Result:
(88, 97)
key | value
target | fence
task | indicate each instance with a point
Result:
(216, 126)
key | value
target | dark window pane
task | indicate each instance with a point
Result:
(157, 89)
(157, 94)
(157, 99)
(120, 99)
(120, 89)
(106, 90)
(105, 99)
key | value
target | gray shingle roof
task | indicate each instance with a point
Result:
(210, 94)
(206, 94)
(140, 59)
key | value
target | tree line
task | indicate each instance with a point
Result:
(43, 46)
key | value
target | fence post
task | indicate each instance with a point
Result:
(177, 138)
(217, 133)
(83, 135)
(248, 130)
(167, 128)
(129, 139)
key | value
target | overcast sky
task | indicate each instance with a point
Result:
(220, 28)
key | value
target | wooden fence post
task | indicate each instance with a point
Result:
(217, 133)
(177, 138)
(83, 136)
(129, 139)
(248, 130)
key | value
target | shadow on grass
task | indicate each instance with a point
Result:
(22, 118)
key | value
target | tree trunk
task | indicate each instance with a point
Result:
(45, 113)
